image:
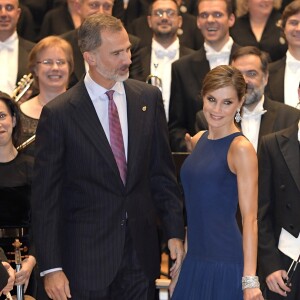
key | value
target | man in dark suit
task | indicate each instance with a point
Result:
(284, 75)
(260, 115)
(103, 175)
(85, 9)
(279, 212)
(14, 50)
(188, 33)
(214, 20)
(164, 21)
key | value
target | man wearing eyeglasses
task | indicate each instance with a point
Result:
(215, 17)
(164, 20)
(87, 8)
(14, 50)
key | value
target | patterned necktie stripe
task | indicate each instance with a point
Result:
(116, 137)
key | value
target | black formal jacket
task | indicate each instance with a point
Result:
(189, 35)
(279, 195)
(275, 86)
(187, 75)
(272, 40)
(135, 70)
(135, 9)
(57, 21)
(146, 58)
(79, 201)
(277, 117)
(24, 50)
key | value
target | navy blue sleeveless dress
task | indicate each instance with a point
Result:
(213, 266)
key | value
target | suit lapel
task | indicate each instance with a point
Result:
(268, 119)
(136, 109)
(289, 147)
(91, 126)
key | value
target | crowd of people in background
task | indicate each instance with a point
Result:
(86, 153)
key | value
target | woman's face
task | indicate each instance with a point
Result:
(220, 106)
(52, 69)
(7, 123)
(260, 7)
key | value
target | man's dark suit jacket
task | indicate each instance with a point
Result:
(191, 36)
(146, 58)
(135, 70)
(24, 50)
(271, 40)
(185, 101)
(79, 202)
(275, 86)
(57, 21)
(277, 117)
(135, 9)
(279, 195)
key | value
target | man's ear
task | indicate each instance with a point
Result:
(90, 58)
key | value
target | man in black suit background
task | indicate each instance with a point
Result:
(14, 50)
(188, 33)
(164, 21)
(260, 115)
(279, 212)
(214, 20)
(96, 197)
(284, 74)
(85, 9)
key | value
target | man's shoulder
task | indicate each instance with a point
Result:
(276, 65)
(282, 109)
(197, 56)
(139, 86)
(70, 36)
(26, 43)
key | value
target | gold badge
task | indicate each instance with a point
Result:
(144, 108)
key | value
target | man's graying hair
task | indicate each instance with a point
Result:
(89, 33)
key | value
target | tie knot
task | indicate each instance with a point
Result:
(110, 94)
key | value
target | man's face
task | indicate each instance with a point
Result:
(9, 16)
(164, 20)
(214, 22)
(90, 7)
(110, 62)
(256, 80)
(292, 31)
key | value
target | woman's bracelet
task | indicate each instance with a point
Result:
(250, 282)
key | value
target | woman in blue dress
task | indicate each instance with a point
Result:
(219, 174)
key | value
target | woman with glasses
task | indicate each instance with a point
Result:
(51, 63)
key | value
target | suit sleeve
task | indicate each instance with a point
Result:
(268, 253)
(164, 187)
(177, 114)
(46, 190)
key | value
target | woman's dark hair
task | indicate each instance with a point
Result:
(223, 76)
(14, 111)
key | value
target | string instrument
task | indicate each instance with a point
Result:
(23, 85)
(18, 261)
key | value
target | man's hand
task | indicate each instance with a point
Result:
(57, 285)
(276, 284)
(11, 279)
(177, 254)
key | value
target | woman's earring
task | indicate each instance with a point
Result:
(238, 117)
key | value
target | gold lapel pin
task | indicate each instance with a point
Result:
(144, 108)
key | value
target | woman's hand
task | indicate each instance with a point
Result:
(23, 276)
(253, 294)
(173, 284)
(11, 279)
